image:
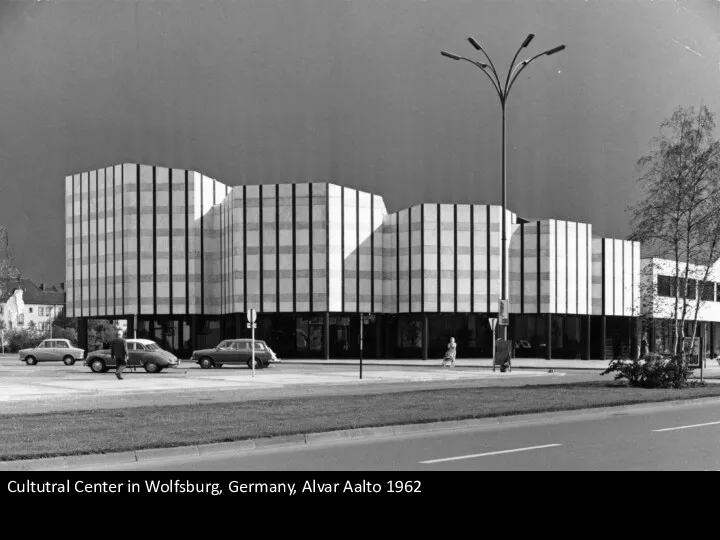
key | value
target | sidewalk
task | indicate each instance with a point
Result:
(517, 363)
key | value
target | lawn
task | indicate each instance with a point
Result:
(114, 430)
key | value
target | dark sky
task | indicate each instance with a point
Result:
(348, 91)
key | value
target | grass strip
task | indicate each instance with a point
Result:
(29, 436)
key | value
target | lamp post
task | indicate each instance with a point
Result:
(502, 90)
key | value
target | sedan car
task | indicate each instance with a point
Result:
(234, 352)
(142, 353)
(52, 350)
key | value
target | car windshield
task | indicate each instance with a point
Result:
(152, 347)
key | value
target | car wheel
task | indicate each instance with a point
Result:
(206, 362)
(151, 367)
(68, 360)
(258, 364)
(98, 366)
(30, 360)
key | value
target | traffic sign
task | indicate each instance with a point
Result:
(251, 315)
(493, 322)
(504, 313)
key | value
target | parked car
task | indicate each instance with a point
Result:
(51, 350)
(234, 352)
(142, 353)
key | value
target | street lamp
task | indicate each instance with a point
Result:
(502, 90)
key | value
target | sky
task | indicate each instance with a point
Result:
(353, 92)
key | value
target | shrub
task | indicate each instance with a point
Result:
(23, 338)
(653, 371)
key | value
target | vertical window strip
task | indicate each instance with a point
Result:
(455, 250)
(409, 221)
(342, 247)
(357, 253)
(261, 256)
(277, 248)
(245, 268)
(170, 239)
(487, 233)
(137, 247)
(310, 212)
(539, 274)
(472, 258)
(439, 273)
(154, 199)
(97, 243)
(422, 258)
(522, 268)
(372, 253)
(294, 252)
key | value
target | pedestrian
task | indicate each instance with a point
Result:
(450, 353)
(643, 347)
(119, 353)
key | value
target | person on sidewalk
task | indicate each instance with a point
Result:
(119, 353)
(450, 353)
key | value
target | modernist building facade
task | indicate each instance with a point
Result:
(182, 256)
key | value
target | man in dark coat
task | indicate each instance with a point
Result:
(119, 353)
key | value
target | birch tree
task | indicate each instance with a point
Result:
(676, 217)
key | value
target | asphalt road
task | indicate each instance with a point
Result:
(664, 439)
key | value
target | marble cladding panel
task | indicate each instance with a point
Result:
(514, 265)
(110, 240)
(147, 234)
(403, 248)
(118, 237)
(561, 265)
(627, 275)
(618, 275)
(572, 276)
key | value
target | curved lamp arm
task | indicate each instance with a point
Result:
(526, 63)
(481, 68)
(512, 67)
(475, 44)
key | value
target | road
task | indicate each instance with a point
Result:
(662, 438)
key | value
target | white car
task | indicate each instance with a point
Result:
(52, 350)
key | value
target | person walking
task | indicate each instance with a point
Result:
(450, 353)
(119, 353)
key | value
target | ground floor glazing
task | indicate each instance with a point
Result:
(415, 336)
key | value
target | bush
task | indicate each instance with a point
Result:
(22, 338)
(653, 371)
(65, 333)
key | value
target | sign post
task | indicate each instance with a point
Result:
(252, 317)
(504, 313)
(493, 322)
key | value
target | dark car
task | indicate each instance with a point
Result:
(143, 352)
(234, 352)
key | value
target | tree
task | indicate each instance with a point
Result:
(8, 269)
(677, 217)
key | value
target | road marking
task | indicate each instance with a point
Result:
(492, 453)
(687, 427)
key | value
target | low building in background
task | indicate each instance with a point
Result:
(40, 304)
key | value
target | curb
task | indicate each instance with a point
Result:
(101, 461)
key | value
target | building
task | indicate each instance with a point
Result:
(41, 304)
(181, 257)
(658, 303)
